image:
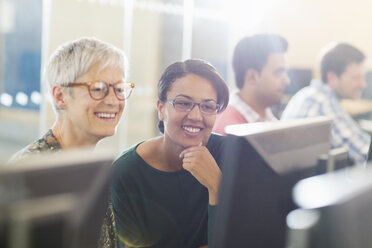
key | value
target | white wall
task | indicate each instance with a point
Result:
(310, 24)
(307, 24)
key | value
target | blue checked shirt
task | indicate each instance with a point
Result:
(319, 99)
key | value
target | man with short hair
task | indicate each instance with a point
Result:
(342, 70)
(260, 75)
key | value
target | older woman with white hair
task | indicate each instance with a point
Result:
(86, 81)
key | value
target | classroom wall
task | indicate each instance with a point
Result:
(156, 40)
(309, 25)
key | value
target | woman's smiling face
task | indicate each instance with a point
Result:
(94, 119)
(186, 129)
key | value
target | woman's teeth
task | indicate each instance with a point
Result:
(105, 115)
(192, 129)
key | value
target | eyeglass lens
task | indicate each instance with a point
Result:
(208, 107)
(99, 90)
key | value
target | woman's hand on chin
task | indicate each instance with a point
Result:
(201, 164)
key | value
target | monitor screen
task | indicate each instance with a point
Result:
(54, 200)
(335, 210)
(261, 163)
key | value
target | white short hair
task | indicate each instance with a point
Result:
(75, 58)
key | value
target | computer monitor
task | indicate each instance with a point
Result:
(54, 200)
(260, 165)
(335, 210)
(335, 159)
(369, 155)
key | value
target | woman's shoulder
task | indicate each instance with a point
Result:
(150, 148)
(216, 139)
(46, 143)
(136, 154)
(129, 154)
(131, 164)
(126, 165)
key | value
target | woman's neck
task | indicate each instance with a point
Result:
(162, 155)
(68, 138)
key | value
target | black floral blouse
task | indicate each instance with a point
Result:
(49, 143)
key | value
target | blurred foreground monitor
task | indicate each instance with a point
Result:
(335, 210)
(261, 164)
(56, 200)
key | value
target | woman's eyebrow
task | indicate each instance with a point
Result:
(189, 97)
(186, 96)
(109, 82)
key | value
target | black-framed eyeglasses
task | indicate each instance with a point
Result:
(208, 107)
(99, 89)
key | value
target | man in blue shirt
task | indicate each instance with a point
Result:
(342, 70)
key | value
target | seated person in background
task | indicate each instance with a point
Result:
(165, 189)
(342, 72)
(86, 81)
(261, 75)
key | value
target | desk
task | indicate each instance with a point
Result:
(366, 125)
(357, 107)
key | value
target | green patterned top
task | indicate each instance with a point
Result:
(47, 143)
